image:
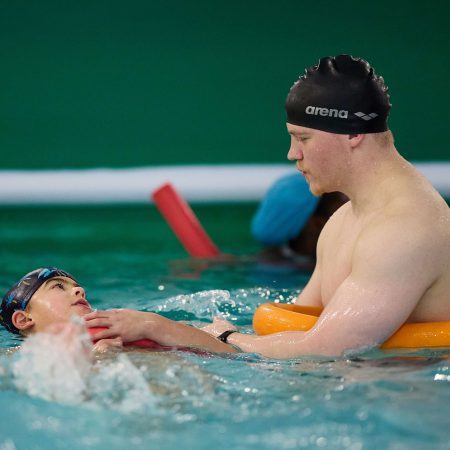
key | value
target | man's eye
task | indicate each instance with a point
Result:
(59, 285)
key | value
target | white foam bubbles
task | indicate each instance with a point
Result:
(203, 304)
(54, 365)
(58, 366)
(121, 385)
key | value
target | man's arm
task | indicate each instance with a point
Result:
(392, 267)
(311, 294)
(133, 325)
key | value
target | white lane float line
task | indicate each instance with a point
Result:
(196, 183)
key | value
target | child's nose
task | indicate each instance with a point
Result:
(79, 291)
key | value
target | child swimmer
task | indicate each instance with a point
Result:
(48, 297)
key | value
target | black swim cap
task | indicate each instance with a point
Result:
(340, 95)
(20, 294)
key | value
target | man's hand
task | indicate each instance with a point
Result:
(108, 345)
(218, 327)
(132, 325)
(127, 324)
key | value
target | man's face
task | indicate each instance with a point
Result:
(319, 156)
(57, 300)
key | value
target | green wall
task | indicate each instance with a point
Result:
(146, 82)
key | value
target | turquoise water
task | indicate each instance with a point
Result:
(127, 257)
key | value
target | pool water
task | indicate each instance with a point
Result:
(127, 257)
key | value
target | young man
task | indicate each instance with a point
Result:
(49, 297)
(383, 258)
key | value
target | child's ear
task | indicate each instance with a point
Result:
(21, 320)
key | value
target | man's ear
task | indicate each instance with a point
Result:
(21, 320)
(355, 139)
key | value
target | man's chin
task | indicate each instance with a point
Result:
(315, 190)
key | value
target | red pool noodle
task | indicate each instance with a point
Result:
(143, 343)
(184, 222)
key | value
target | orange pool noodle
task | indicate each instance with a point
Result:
(272, 318)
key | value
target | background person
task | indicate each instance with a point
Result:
(290, 218)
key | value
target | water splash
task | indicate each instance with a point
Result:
(203, 304)
(54, 365)
(236, 306)
(122, 386)
(58, 366)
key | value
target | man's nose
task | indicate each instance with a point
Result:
(294, 153)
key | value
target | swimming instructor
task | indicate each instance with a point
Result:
(383, 258)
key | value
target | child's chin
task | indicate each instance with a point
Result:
(57, 327)
(81, 310)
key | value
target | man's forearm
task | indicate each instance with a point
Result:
(175, 334)
(278, 346)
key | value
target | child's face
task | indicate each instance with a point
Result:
(57, 300)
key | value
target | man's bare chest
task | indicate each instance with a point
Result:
(337, 260)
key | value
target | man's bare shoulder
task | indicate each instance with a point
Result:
(414, 198)
(338, 217)
(409, 247)
(414, 231)
(334, 224)
(419, 219)
(424, 213)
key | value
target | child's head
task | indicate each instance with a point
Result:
(41, 298)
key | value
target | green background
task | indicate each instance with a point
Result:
(92, 83)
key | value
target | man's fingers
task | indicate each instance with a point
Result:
(108, 344)
(223, 322)
(97, 315)
(107, 333)
(104, 313)
(97, 322)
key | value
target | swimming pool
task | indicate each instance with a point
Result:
(126, 256)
